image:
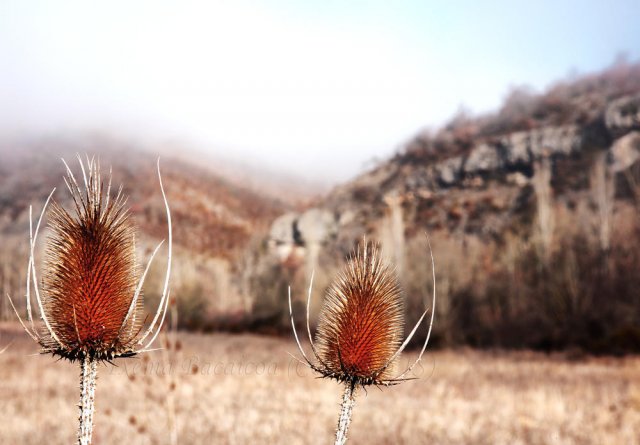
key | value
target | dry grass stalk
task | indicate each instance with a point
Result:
(92, 294)
(359, 334)
(5, 348)
(171, 341)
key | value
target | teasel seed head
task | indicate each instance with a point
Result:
(90, 275)
(360, 329)
(91, 295)
(359, 335)
(361, 322)
(90, 300)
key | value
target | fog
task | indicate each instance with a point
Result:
(316, 91)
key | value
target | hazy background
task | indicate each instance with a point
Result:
(288, 131)
(315, 89)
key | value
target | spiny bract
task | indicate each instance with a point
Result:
(361, 322)
(90, 275)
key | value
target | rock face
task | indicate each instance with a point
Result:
(515, 151)
(283, 229)
(480, 187)
(316, 226)
(483, 158)
(283, 236)
(298, 233)
(624, 152)
(460, 191)
(623, 115)
(522, 148)
(552, 141)
(450, 171)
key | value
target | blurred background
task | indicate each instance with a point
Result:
(287, 131)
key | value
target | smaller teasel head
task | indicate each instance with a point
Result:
(359, 334)
(361, 321)
(91, 295)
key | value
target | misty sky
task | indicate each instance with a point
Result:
(317, 88)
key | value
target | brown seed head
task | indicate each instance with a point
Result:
(90, 274)
(361, 322)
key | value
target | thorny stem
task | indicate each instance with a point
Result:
(89, 370)
(348, 402)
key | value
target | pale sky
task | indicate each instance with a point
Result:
(315, 88)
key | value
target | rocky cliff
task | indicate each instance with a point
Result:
(473, 178)
(546, 183)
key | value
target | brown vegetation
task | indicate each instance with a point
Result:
(534, 224)
(532, 249)
(246, 389)
(215, 220)
(574, 101)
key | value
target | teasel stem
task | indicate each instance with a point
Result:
(89, 371)
(348, 402)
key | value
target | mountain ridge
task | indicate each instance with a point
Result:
(539, 201)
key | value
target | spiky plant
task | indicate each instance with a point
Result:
(92, 291)
(359, 334)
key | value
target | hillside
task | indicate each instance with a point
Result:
(532, 212)
(214, 218)
(475, 175)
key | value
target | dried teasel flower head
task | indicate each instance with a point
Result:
(92, 289)
(359, 334)
(91, 295)
(90, 275)
(360, 329)
(361, 321)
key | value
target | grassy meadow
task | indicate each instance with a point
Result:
(247, 389)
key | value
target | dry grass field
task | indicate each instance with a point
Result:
(246, 389)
